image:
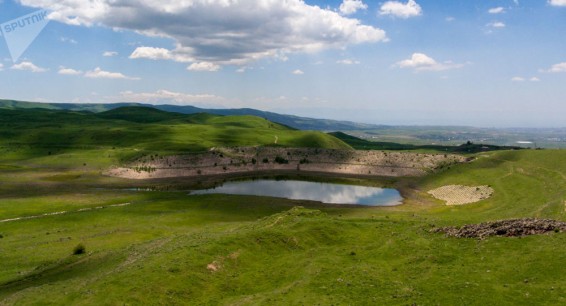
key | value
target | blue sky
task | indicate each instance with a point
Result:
(444, 62)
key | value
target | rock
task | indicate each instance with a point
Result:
(505, 228)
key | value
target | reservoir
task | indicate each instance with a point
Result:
(329, 193)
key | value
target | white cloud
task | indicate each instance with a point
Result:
(244, 69)
(560, 67)
(522, 79)
(163, 96)
(349, 7)
(221, 31)
(109, 53)
(348, 62)
(496, 24)
(398, 9)
(203, 66)
(68, 71)
(1, 66)
(450, 19)
(298, 72)
(68, 40)
(496, 10)
(161, 54)
(557, 2)
(422, 62)
(98, 73)
(29, 66)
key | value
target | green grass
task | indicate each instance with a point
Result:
(41, 137)
(156, 250)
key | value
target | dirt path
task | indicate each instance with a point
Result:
(62, 213)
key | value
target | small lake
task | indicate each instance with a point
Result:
(329, 193)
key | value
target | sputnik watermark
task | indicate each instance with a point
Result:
(20, 33)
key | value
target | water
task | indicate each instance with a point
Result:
(302, 190)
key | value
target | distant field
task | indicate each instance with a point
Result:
(165, 247)
(452, 135)
(464, 148)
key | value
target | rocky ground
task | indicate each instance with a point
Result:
(506, 228)
(220, 161)
(459, 194)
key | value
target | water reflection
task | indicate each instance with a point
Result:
(301, 190)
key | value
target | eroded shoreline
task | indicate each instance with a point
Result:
(243, 160)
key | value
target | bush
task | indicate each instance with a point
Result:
(281, 160)
(265, 161)
(79, 249)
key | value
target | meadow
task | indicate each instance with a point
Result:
(165, 247)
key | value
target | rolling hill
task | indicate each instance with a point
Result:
(132, 131)
(297, 122)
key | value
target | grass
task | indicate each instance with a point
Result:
(42, 137)
(161, 248)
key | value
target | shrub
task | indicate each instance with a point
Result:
(254, 161)
(79, 249)
(265, 161)
(281, 160)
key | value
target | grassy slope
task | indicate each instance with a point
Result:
(121, 134)
(157, 249)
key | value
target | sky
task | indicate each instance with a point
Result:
(488, 63)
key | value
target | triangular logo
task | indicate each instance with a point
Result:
(21, 32)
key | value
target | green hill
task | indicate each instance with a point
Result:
(139, 114)
(297, 122)
(40, 132)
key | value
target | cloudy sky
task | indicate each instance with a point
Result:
(442, 62)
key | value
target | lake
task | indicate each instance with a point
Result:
(329, 193)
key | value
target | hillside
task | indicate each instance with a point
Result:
(160, 246)
(130, 131)
(302, 123)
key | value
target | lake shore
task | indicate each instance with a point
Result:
(227, 161)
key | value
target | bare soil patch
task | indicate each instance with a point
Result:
(505, 228)
(460, 195)
(222, 161)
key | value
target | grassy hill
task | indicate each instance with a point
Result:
(130, 131)
(297, 122)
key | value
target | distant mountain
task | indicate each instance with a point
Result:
(301, 123)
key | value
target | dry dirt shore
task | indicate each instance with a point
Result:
(225, 161)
